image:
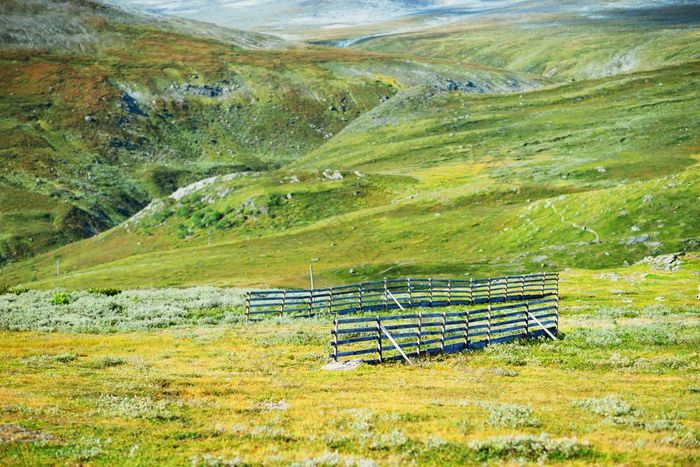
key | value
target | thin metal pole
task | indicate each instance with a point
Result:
(394, 299)
(542, 326)
(394, 343)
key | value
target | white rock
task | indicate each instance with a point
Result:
(341, 366)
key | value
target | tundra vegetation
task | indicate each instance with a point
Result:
(152, 169)
(176, 376)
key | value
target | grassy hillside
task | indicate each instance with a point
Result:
(590, 174)
(558, 45)
(103, 110)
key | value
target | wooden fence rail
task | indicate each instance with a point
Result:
(446, 332)
(410, 293)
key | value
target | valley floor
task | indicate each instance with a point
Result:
(622, 386)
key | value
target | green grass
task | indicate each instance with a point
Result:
(574, 148)
(449, 182)
(592, 174)
(255, 392)
(91, 132)
(563, 47)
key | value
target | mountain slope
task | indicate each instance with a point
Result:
(590, 174)
(103, 110)
(78, 25)
(555, 45)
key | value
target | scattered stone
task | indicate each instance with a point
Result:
(342, 366)
(639, 239)
(289, 196)
(634, 228)
(613, 276)
(660, 299)
(503, 372)
(270, 405)
(601, 169)
(17, 434)
(352, 271)
(647, 198)
(671, 262)
(205, 90)
(332, 174)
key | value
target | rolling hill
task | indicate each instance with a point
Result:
(104, 110)
(434, 181)
(396, 156)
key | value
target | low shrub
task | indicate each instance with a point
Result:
(6, 289)
(652, 426)
(207, 460)
(106, 362)
(134, 407)
(299, 337)
(61, 298)
(608, 406)
(687, 440)
(515, 353)
(88, 448)
(131, 310)
(44, 361)
(529, 447)
(509, 415)
(108, 292)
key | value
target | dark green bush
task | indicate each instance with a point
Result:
(6, 289)
(109, 292)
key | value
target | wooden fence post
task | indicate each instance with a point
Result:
(330, 300)
(430, 290)
(527, 320)
(335, 340)
(544, 279)
(507, 287)
(311, 301)
(489, 291)
(420, 332)
(522, 287)
(449, 292)
(410, 292)
(386, 301)
(488, 329)
(284, 301)
(379, 340)
(359, 298)
(556, 311)
(471, 292)
(247, 306)
(442, 334)
(466, 330)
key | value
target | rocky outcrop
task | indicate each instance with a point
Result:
(670, 262)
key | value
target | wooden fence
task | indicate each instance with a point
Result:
(448, 332)
(410, 293)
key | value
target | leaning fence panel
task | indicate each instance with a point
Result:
(448, 332)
